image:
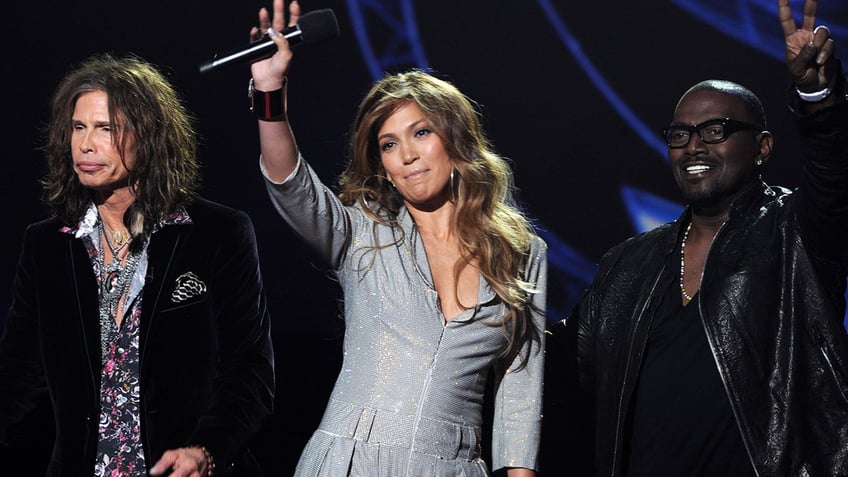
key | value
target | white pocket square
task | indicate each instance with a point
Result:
(188, 285)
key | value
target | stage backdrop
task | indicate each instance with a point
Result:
(574, 93)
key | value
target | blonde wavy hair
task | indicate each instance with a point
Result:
(493, 232)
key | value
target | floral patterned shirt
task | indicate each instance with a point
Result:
(119, 450)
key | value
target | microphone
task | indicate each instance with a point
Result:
(312, 27)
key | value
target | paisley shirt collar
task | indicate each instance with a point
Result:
(89, 221)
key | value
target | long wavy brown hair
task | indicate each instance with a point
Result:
(144, 106)
(493, 232)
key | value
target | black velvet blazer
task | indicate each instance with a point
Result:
(206, 362)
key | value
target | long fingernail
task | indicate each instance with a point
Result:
(272, 33)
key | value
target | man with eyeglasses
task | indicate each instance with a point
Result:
(714, 345)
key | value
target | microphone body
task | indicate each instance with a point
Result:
(314, 26)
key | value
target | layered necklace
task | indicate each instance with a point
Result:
(117, 274)
(683, 262)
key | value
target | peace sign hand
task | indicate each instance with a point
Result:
(810, 52)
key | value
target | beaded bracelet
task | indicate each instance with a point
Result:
(210, 462)
(268, 105)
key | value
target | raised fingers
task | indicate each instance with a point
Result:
(784, 12)
(294, 13)
(279, 19)
(264, 23)
(809, 15)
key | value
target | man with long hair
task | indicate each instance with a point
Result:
(137, 303)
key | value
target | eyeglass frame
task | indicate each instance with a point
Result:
(729, 126)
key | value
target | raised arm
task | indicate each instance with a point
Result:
(822, 119)
(277, 144)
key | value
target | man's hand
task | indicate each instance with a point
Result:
(183, 462)
(810, 52)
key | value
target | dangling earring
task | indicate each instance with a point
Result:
(365, 189)
(759, 162)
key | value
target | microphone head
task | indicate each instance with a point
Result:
(312, 27)
(318, 25)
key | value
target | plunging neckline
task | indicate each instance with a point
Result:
(419, 256)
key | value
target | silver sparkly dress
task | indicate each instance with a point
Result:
(408, 398)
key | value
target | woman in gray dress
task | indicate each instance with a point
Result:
(443, 279)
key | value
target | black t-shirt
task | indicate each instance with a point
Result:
(680, 422)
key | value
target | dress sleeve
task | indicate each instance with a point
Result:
(314, 212)
(518, 389)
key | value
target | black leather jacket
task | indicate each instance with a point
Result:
(771, 301)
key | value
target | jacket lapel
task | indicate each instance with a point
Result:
(85, 289)
(164, 248)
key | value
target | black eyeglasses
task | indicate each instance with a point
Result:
(712, 131)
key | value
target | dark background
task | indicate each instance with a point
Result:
(555, 80)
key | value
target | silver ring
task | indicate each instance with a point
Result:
(821, 26)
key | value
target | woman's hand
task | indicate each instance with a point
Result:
(520, 472)
(269, 74)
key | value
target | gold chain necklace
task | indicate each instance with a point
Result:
(119, 237)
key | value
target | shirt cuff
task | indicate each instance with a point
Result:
(287, 179)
